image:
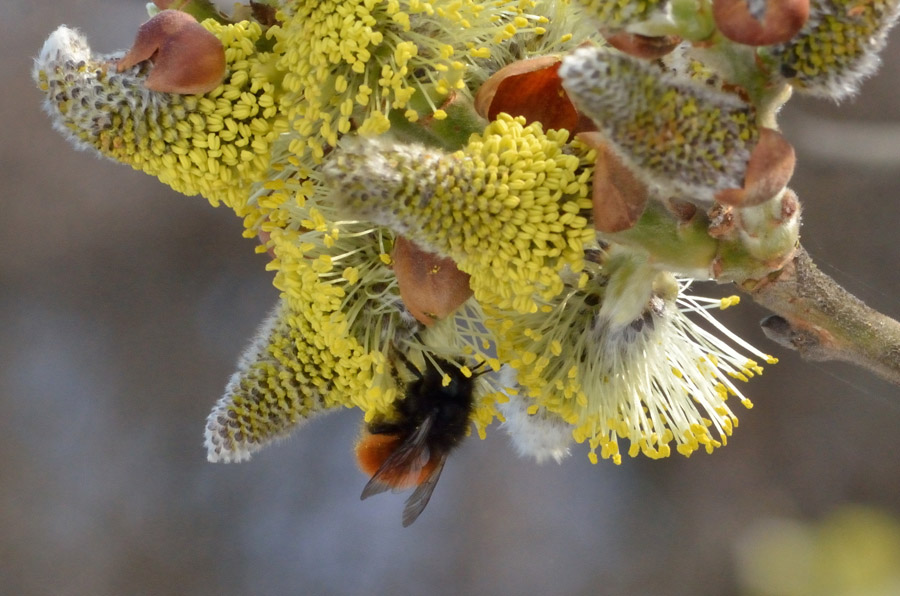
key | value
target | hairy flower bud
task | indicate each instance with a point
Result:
(677, 133)
(837, 47)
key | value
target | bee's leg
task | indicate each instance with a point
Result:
(409, 365)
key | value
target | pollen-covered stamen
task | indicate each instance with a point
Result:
(337, 271)
(675, 367)
(340, 314)
(657, 379)
(679, 134)
(837, 47)
(690, 303)
(346, 304)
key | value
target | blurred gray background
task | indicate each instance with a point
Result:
(123, 307)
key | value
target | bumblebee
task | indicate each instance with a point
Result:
(410, 450)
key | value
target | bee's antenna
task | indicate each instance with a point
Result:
(479, 369)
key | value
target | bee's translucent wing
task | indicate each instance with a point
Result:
(402, 468)
(417, 501)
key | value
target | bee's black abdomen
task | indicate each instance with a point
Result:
(450, 405)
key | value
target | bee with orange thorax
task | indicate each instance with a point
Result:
(410, 449)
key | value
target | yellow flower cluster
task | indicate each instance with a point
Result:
(358, 64)
(600, 349)
(511, 208)
(215, 144)
(325, 347)
(346, 330)
(528, 214)
(351, 259)
(342, 317)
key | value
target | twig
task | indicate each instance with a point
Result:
(822, 321)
